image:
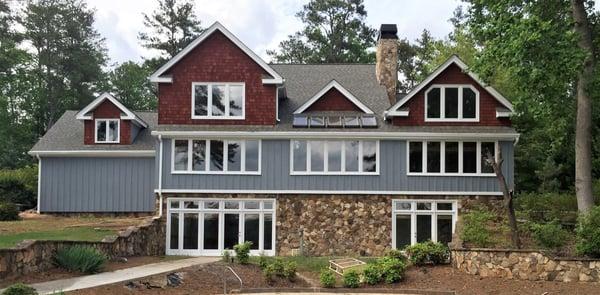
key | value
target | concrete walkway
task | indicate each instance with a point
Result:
(116, 276)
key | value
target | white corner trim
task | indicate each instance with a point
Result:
(39, 186)
(452, 60)
(329, 192)
(156, 76)
(94, 153)
(129, 115)
(341, 89)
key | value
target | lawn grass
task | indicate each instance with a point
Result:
(310, 264)
(67, 234)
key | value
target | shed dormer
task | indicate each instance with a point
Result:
(108, 121)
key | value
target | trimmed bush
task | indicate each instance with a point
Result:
(263, 261)
(289, 270)
(269, 273)
(588, 233)
(372, 274)
(351, 279)
(549, 235)
(392, 269)
(19, 186)
(279, 268)
(395, 253)
(327, 278)
(242, 252)
(8, 211)
(475, 229)
(226, 256)
(19, 289)
(80, 258)
(428, 253)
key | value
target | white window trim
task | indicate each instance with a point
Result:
(207, 158)
(96, 121)
(209, 114)
(221, 211)
(326, 159)
(442, 159)
(460, 118)
(413, 212)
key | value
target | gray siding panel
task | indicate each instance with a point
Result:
(392, 174)
(97, 184)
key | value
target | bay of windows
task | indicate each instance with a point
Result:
(107, 130)
(334, 157)
(450, 157)
(452, 103)
(218, 100)
(216, 156)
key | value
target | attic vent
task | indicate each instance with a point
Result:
(366, 121)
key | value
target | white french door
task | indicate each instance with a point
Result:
(416, 221)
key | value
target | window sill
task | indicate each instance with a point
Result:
(215, 173)
(217, 118)
(107, 142)
(335, 173)
(451, 120)
(453, 174)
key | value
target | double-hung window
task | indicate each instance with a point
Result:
(214, 156)
(334, 157)
(452, 103)
(450, 157)
(218, 100)
(107, 131)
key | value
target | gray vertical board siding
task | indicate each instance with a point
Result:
(275, 174)
(84, 184)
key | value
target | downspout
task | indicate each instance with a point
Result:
(39, 188)
(160, 166)
(277, 104)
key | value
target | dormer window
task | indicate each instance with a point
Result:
(107, 130)
(446, 103)
(218, 100)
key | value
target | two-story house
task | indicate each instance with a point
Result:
(326, 158)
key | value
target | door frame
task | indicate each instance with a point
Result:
(413, 212)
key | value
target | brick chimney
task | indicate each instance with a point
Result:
(386, 67)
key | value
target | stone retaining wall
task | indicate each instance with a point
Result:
(33, 256)
(530, 265)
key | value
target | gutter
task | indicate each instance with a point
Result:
(95, 153)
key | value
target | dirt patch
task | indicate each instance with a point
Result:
(33, 222)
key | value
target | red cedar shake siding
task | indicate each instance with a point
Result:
(333, 100)
(453, 75)
(216, 59)
(107, 110)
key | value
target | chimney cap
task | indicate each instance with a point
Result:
(388, 31)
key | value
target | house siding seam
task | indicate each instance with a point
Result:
(216, 60)
(107, 110)
(333, 100)
(452, 75)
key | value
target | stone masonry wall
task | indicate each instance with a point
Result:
(529, 265)
(33, 256)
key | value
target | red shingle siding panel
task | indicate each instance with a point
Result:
(216, 59)
(453, 75)
(106, 110)
(333, 100)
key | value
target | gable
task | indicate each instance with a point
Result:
(110, 105)
(333, 97)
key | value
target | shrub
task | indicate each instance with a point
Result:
(395, 253)
(8, 211)
(372, 274)
(19, 186)
(351, 279)
(289, 270)
(262, 261)
(226, 256)
(428, 253)
(278, 266)
(19, 289)
(392, 269)
(79, 258)
(327, 278)
(549, 235)
(269, 272)
(242, 252)
(588, 233)
(475, 229)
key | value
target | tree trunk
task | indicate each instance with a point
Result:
(583, 131)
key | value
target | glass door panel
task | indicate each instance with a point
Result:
(211, 231)
(268, 232)
(403, 231)
(423, 228)
(190, 231)
(252, 229)
(174, 238)
(444, 229)
(232, 230)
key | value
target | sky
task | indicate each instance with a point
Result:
(261, 24)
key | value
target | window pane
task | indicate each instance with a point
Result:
(351, 122)
(403, 205)
(351, 155)
(423, 206)
(174, 204)
(317, 155)
(236, 100)
(216, 155)
(423, 228)
(433, 157)
(218, 100)
(268, 205)
(444, 229)
(190, 205)
(234, 156)
(174, 238)
(416, 157)
(251, 205)
(198, 155)
(232, 205)
(299, 147)
(334, 156)
(369, 156)
(451, 157)
(232, 229)
(251, 229)
(211, 204)
(211, 231)
(487, 148)
(101, 131)
(469, 157)
(268, 232)
(317, 121)
(469, 103)
(252, 147)
(181, 155)
(402, 231)
(451, 103)
(113, 130)
(433, 103)
(200, 100)
(444, 206)
(190, 231)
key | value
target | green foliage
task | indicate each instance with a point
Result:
(279, 268)
(351, 279)
(395, 253)
(262, 261)
(588, 233)
(80, 258)
(269, 273)
(19, 289)
(8, 211)
(549, 235)
(129, 82)
(545, 207)
(475, 227)
(372, 274)
(226, 256)
(428, 253)
(242, 252)
(327, 278)
(289, 270)
(19, 186)
(392, 269)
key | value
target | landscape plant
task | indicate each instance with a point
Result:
(372, 274)
(549, 235)
(351, 279)
(80, 258)
(588, 233)
(242, 252)
(327, 278)
(226, 256)
(475, 230)
(289, 270)
(428, 253)
(19, 289)
(8, 211)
